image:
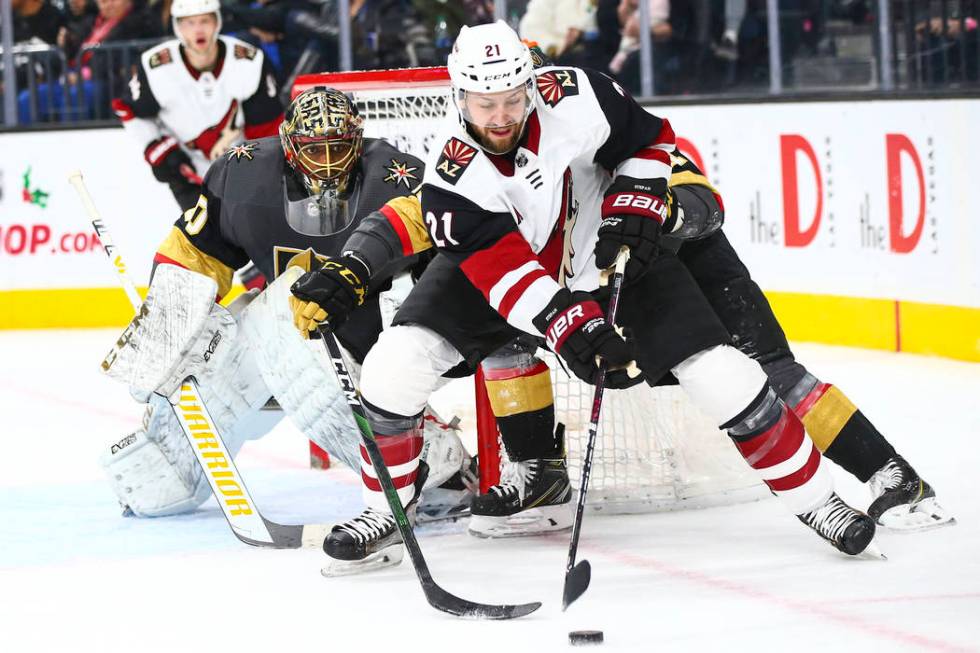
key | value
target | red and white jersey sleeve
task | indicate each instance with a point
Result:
(204, 113)
(525, 224)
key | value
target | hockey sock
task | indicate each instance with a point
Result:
(772, 440)
(839, 429)
(400, 442)
(522, 402)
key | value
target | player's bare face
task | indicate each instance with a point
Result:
(497, 119)
(199, 33)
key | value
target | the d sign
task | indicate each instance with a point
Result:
(895, 145)
(790, 145)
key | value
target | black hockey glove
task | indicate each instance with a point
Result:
(328, 294)
(169, 163)
(576, 329)
(634, 213)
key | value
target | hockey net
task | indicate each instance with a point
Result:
(655, 451)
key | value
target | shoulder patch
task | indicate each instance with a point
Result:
(244, 52)
(160, 58)
(284, 257)
(556, 85)
(400, 172)
(245, 150)
(456, 155)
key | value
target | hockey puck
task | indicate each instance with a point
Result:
(584, 637)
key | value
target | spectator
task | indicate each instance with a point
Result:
(558, 26)
(36, 20)
(629, 21)
(117, 20)
(946, 43)
(79, 19)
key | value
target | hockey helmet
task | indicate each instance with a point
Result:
(184, 8)
(488, 59)
(322, 138)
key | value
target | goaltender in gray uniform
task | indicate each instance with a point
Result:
(278, 202)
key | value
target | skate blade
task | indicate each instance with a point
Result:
(387, 557)
(872, 552)
(535, 521)
(924, 516)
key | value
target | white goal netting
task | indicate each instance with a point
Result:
(655, 450)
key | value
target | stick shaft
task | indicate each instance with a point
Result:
(75, 179)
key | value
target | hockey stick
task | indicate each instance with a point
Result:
(438, 598)
(578, 576)
(244, 518)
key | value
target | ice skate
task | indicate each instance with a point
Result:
(904, 502)
(534, 496)
(367, 542)
(848, 530)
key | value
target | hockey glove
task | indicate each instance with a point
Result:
(328, 294)
(576, 329)
(169, 163)
(634, 213)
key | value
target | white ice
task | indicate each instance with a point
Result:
(76, 576)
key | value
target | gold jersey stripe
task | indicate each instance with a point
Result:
(520, 395)
(409, 209)
(179, 249)
(827, 417)
(686, 177)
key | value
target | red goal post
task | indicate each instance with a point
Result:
(655, 451)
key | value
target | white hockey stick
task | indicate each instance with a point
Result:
(246, 522)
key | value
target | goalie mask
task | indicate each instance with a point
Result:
(492, 76)
(322, 139)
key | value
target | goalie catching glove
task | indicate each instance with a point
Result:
(577, 330)
(634, 214)
(328, 295)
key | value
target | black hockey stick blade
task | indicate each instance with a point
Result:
(442, 600)
(577, 580)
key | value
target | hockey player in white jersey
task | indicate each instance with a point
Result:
(541, 179)
(195, 96)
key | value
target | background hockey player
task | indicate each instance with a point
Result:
(277, 201)
(536, 188)
(195, 96)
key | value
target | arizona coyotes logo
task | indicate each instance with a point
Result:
(556, 85)
(456, 155)
(245, 52)
(159, 58)
(215, 141)
(399, 172)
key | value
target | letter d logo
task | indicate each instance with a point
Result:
(895, 145)
(790, 145)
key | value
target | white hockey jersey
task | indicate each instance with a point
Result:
(170, 104)
(524, 224)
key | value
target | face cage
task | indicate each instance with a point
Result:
(328, 173)
(459, 97)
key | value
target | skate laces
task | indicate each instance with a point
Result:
(887, 478)
(370, 524)
(831, 519)
(516, 477)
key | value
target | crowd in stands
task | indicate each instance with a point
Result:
(699, 46)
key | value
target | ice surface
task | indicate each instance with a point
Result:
(75, 576)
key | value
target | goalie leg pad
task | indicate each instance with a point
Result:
(153, 471)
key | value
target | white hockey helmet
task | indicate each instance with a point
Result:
(489, 59)
(185, 8)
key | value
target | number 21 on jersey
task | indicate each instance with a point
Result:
(439, 228)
